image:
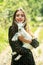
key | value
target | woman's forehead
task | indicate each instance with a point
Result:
(20, 12)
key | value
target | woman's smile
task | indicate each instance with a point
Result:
(19, 19)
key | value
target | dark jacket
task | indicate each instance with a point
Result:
(16, 45)
(27, 57)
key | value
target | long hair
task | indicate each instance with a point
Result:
(14, 25)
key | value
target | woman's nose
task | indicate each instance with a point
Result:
(20, 16)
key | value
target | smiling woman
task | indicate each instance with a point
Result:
(17, 45)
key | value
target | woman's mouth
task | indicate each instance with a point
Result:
(19, 19)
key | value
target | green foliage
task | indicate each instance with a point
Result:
(1, 1)
(32, 8)
(34, 25)
(41, 36)
(3, 39)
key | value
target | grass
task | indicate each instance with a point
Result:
(3, 39)
(34, 26)
(40, 35)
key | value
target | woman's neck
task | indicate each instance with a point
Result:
(20, 23)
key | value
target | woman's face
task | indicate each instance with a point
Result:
(20, 17)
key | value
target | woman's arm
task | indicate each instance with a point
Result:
(21, 38)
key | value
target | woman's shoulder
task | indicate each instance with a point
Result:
(10, 30)
(10, 27)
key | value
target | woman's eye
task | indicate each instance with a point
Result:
(17, 15)
(22, 15)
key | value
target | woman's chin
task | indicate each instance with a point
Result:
(20, 21)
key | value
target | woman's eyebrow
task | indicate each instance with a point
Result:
(19, 14)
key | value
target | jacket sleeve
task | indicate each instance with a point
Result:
(15, 45)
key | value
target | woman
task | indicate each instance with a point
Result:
(17, 46)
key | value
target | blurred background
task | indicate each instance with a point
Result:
(34, 13)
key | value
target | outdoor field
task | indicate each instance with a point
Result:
(34, 14)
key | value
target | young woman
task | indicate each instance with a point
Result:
(17, 45)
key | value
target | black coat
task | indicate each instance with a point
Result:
(27, 57)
